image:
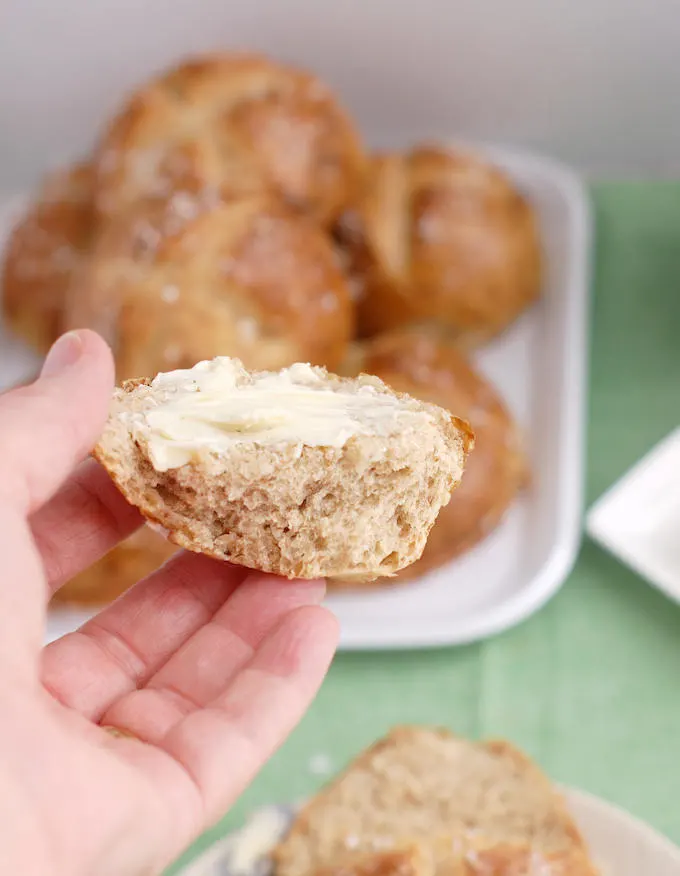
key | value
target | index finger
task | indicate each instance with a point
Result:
(48, 427)
(85, 519)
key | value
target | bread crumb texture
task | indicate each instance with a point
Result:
(265, 485)
(439, 804)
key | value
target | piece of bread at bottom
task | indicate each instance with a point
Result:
(447, 856)
(299, 473)
(466, 802)
(130, 561)
(411, 859)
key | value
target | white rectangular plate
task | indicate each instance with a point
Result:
(540, 368)
(638, 519)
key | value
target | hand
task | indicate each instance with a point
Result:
(209, 666)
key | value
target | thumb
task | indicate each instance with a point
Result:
(46, 428)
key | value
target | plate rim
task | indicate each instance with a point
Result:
(626, 821)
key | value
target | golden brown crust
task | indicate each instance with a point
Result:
(407, 860)
(475, 858)
(171, 283)
(442, 236)
(129, 562)
(235, 125)
(44, 252)
(428, 366)
(518, 859)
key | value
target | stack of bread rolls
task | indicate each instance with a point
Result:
(231, 208)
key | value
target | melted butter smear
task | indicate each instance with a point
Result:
(217, 404)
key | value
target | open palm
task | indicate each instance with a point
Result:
(203, 668)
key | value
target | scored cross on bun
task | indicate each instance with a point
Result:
(441, 236)
(234, 125)
(298, 473)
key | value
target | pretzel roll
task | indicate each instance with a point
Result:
(171, 283)
(45, 250)
(234, 125)
(442, 236)
(128, 562)
(427, 366)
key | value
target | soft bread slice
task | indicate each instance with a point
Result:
(299, 473)
(469, 804)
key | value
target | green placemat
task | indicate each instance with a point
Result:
(590, 686)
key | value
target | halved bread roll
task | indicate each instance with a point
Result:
(299, 473)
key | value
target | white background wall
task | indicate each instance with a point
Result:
(594, 82)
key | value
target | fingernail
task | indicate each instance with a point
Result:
(319, 592)
(64, 352)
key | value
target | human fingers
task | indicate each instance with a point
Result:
(85, 518)
(223, 746)
(207, 662)
(22, 595)
(49, 426)
(126, 643)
